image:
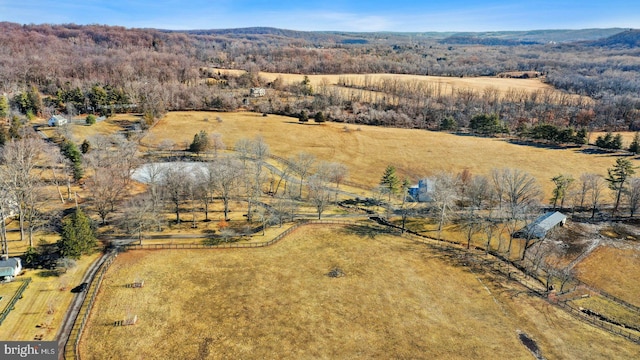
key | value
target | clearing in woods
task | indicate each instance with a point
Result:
(447, 84)
(397, 299)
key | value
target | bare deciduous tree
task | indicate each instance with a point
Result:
(173, 187)
(243, 148)
(19, 174)
(518, 189)
(303, 163)
(113, 160)
(334, 172)
(216, 144)
(228, 173)
(106, 191)
(583, 189)
(259, 149)
(152, 173)
(595, 184)
(478, 192)
(138, 215)
(633, 195)
(444, 195)
(319, 193)
(253, 180)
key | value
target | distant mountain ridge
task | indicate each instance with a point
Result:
(527, 37)
(544, 36)
(627, 39)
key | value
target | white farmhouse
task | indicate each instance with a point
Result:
(57, 120)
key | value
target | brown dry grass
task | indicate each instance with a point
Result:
(46, 292)
(277, 302)
(447, 84)
(618, 277)
(82, 132)
(415, 153)
(609, 309)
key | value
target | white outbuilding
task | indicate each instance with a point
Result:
(57, 120)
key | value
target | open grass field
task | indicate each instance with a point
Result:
(397, 300)
(446, 84)
(45, 301)
(367, 151)
(619, 278)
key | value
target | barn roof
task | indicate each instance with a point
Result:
(542, 225)
(8, 267)
(10, 262)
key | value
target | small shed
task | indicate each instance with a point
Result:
(542, 225)
(9, 268)
(57, 120)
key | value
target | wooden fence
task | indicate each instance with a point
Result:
(497, 263)
(598, 323)
(12, 302)
(71, 348)
(243, 245)
(609, 296)
(530, 282)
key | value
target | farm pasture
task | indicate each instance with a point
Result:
(397, 299)
(367, 150)
(619, 278)
(446, 84)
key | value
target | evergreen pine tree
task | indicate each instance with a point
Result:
(4, 107)
(616, 143)
(78, 237)
(3, 135)
(448, 124)
(14, 128)
(635, 144)
(303, 117)
(618, 176)
(200, 142)
(85, 146)
(71, 152)
(390, 182)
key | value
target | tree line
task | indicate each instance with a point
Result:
(106, 69)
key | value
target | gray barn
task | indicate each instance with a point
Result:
(541, 226)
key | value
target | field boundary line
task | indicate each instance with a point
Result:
(71, 348)
(14, 299)
(277, 238)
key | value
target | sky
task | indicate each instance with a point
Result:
(331, 15)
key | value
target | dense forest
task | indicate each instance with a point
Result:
(46, 69)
